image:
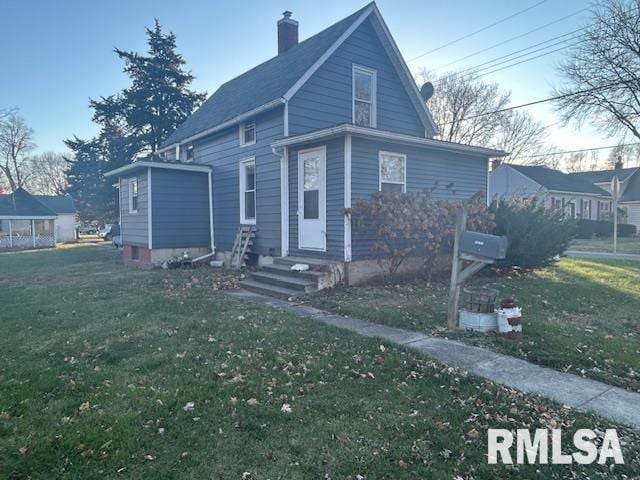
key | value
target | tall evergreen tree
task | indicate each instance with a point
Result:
(133, 122)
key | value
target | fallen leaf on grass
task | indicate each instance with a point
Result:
(252, 402)
(189, 406)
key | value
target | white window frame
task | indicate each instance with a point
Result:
(189, 147)
(242, 128)
(243, 185)
(132, 182)
(374, 81)
(404, 161)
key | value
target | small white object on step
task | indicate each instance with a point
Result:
(216, 263)
(299, 267)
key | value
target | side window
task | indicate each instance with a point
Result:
(247, 133)
(248, 191)
(393, 172)
(133, 195)
(364, 96)
(190, 152)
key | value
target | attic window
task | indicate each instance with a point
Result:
(248, 133)
(190, 152)
(364, 97)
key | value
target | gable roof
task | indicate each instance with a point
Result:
(273, 82)
(605, 176)
(21, 203)
(57, 203)
(558, 181)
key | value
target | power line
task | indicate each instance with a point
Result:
(475, 67)
(525, 60)
(580, 150)
(513, 38)
(498, 22)
(536, 102)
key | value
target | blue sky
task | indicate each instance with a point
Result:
(57, 55)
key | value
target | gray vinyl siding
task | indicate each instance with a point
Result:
(326, 98)
(334, 200)
(455, 177)
(180, 210)
(507, 182)
(223, 152)
(135, 226)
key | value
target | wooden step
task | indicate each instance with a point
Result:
(268, 289)
(305, 284)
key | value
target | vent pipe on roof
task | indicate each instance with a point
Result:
(287, 32)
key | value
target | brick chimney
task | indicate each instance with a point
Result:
(287, 32)
(618, 164)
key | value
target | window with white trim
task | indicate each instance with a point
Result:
(364, 96)
(393, 172)
(247, 133)
(133, 195)
(248, 191)
(189, 152)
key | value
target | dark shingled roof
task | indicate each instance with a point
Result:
(558, 181)
(604, 176)
(21, 203)
(57, 203)
(265, 83)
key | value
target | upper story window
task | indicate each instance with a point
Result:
(248, 191)
(393, 172)
(133, 195)
(189, 156)
(364, 97)
(247, 133)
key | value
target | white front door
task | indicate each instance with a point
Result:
(312, 199)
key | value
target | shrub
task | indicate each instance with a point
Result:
(603, 228)
(586, 228)
(403, 225)
(536, 234)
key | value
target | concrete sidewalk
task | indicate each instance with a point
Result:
(611, 402)
(602, 255)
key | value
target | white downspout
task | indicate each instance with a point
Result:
(213, 243)
(33, 233)
(10, 234)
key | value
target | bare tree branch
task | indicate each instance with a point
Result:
(602, 73)
(16, 140)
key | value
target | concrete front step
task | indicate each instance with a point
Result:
(314, 263)
(269, 289)
(302, 283)
(286, 271)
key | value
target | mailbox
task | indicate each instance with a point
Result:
(483, 245)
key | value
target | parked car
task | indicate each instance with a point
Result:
(103, 232)
(115, 236)
(87, 229)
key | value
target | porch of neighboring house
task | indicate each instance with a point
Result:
(24, 233)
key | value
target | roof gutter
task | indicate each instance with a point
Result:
(389, 136)
(221, 126)
(163, 165)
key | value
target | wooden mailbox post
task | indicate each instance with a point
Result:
(459, 275)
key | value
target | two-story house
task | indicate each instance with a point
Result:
(286, 147)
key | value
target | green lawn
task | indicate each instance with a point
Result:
(99, 365)
(625, 245)
(581, 316)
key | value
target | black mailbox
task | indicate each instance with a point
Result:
(483, 245)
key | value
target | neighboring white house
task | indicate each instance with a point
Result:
(577, 197)
(65, 209)
(629, 199)
(35, 221)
